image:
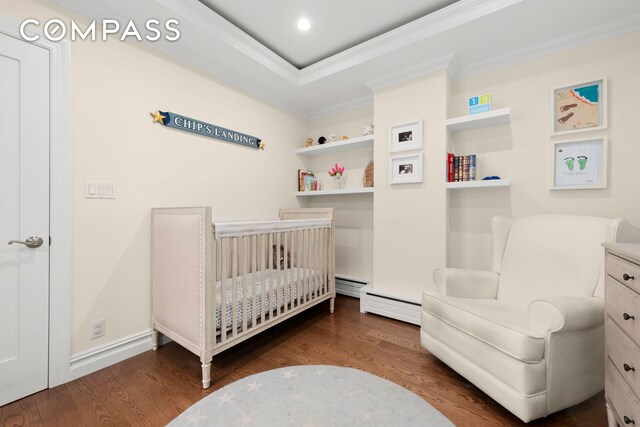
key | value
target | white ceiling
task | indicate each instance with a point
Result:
(467, 38)
(336, 25)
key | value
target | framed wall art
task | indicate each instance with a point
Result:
(579, 164)
(579, 107)
(405, 169)
(404, 137)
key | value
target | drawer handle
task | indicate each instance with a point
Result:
(626, 316)
(628, 420)
(628, 368)
(626, 277)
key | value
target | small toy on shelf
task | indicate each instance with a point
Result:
(333, 137)
(345, 137)
(367, 130)
(308, 142)
(322, 140)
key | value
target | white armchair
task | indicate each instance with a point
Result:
(529, 333)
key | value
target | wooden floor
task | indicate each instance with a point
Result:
(153, 388)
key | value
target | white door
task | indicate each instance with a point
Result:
(24, 213)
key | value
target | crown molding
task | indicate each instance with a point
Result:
(612, 29)
(343, 107)
(422, 69)
(215, 25)
(442, 20)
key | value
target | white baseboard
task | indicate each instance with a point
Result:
(349, 286)
(100, 357)
(389, 306)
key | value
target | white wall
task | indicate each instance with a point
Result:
(410, 220)
(520, 151)
(354, 213)
(114, 87)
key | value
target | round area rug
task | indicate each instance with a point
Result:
(314, 395)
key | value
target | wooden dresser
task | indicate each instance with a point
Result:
(622, 334)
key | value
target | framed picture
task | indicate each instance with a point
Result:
(405, 169)
(404, 137)
(579, 107)
(579, 164)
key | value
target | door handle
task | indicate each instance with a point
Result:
(32, 242)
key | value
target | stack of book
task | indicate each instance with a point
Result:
(461, 168)
(307, 181)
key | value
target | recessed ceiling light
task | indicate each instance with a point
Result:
(303, 24)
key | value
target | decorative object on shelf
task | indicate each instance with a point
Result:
(306, 181)
(367, 130)
(333, 137)
(579, 164)
(336, 173)
(322, 140)
(480, 104)
(367, 177)
(406, 136)
(308, 142)
(345, 137)
(176, 121)
(461, 168)
(405, 169)
(579, 107)
(490, 178)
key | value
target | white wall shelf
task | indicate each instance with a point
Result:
(367, 190)
(337, 146)
(481, 120)
(478, 184)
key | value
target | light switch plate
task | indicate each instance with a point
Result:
(99, 190)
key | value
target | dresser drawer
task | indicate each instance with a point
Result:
(623, 306)
(620, 397)
(624, 271)
(624, 355)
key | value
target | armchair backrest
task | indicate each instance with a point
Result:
(552, 255)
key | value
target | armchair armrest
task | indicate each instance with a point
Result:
(565, 314)
(457, 282)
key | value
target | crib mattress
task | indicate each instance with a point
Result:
(295, 280)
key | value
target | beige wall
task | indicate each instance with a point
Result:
(354, 213)
(521, 151)
(410, 220)
(114, 87)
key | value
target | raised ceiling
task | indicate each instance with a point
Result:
(467, 37)
(336, 25)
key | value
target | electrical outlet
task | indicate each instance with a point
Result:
(97, 328)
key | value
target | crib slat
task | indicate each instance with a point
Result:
(244, 254)
(263, 276)
(300, 269)
(314, 256)
(276, 273)
(307, 280)
(254, 289)
(223, 290)
(325, 247)
(288, 304)
(217, 275)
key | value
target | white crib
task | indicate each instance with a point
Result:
(215, 284)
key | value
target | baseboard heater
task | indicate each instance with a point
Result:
(372, 301)
(349, 286)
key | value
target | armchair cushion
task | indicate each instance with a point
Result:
(497, 324)
(456, 282)
(565, 314)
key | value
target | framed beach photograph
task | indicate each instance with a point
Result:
(579, 164)
(406, 136)
(405, 169)
(579, 107)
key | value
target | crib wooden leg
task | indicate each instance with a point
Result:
(332, 303)
(154, 339)
(206, 375)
